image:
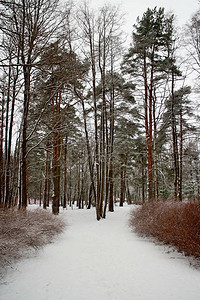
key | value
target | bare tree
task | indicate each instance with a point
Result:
(31, 24)
(100, 34)
(193, 41)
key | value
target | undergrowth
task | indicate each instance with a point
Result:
(22, 231)
(174, 224)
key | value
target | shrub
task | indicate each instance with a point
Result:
(175, 224)
(21, 231)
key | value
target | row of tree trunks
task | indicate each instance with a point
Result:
(25, 23)
(152, 64)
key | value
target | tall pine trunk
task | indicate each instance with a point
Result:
(6, 179)
(65, 173)
(56, 153)
(112, 125)
(46, 178)
(1, 150)
(123, 179)
(148, 130)
(155, 150)
(9, 144)
(175, 142)
(24, 134)
(181, 155)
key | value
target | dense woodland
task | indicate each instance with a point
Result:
(89, 119)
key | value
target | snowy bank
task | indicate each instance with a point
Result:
(101, 260)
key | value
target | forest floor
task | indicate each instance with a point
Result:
(101, 260)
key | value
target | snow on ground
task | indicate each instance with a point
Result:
(101, 261)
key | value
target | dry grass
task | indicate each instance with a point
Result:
(174, 224)
(21, 231)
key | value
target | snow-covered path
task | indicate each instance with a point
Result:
(101, 261)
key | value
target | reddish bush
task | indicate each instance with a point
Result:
(176, 224)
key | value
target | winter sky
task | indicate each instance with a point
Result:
(182, 9)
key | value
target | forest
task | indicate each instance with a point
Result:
(90, 120)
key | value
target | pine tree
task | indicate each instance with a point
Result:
(148, 61)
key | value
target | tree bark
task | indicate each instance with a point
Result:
(175, 142)
(112, 126)
(24, 134)
(1, 150)
(143, 179)
(155, 150)
(181, 155)
(148, 130)
(56, 153)
(46, 179)
(65, 173)
(123, 179)
(88, 150)
(6, 179)
(9, 144)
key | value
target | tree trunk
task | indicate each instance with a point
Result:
(175, 143)
(103, 163)
(56, 153)
(65, 174)
(90, 197)
(1, 150)
(46, 179)
(128, 193)
(102, 67)
(155, 150)
(40, 193)
(6, 180)
(148, 130)
(181, 155)
(112, 125)
(20, 175)
(143, 179)
(107, 162)
(97, 163)
(8, 171)
(123, 179)
(24, 134)
(93, 65)
(88, 151)
(150, 133)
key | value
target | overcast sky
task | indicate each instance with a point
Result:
(183, 9)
